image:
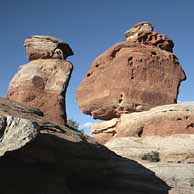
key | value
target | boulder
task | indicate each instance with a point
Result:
(46, 47)
(162, 120)
(37, 156)
(131, 76)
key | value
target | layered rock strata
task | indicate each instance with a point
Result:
(42, 83)
(132, 76)
(163, 120)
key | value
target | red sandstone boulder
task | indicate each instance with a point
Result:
(130, 77)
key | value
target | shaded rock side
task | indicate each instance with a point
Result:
(131, 76)
(171, 157)
(46, 47)
(162, 120)
(42, 84)
(54, 159)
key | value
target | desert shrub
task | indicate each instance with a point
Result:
(152, 156)
(71, 123)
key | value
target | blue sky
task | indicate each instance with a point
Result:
(90, 27)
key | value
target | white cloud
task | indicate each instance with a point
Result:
(86, 125)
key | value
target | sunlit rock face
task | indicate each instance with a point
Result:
(42, 83)
(132, 76)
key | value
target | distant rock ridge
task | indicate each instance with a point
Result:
(42, 83)
(132, 76)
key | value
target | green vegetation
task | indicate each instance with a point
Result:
(153, 156)
(73, 124)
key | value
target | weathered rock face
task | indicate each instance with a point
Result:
(40, 157)
(162, 120)
(42, 83)
(176, 148)
(143, 33)
(171, 157)
(131, 76)
(46, 47)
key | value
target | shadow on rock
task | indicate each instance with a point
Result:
(52, 164)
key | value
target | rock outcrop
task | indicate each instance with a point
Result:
(46, 47)
(40, 157)
(170, 157)
(143, 33)
(162, 120)
(43, 81)
(132, 76)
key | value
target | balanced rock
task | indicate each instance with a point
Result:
(132, 76)
(45, 47)
(42, 84)
(162, 120)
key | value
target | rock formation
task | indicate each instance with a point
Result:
(170, 157)
(43, 81)
(132, 76)
(40, 157)
(162, 120)
(46, 47)
(160, 139)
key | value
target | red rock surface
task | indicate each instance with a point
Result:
(129, 77)
(162, 120)
(42, 84)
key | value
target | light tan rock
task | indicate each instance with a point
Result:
(162, 120)
(175, 164)
(45, 47)
(175, 148)
(143, 33)
(42, 84)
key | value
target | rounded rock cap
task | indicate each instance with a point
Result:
(45, 47)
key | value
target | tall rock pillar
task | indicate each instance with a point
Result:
(42, 83)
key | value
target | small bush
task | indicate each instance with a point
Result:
(153, 156)
(73, 124)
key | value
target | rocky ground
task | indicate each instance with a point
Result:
(41, 157)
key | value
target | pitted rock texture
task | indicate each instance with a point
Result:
(162, 120)
(46, 47)
(129, 77)
(143, 33)
(58, 160)
(42, 84)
